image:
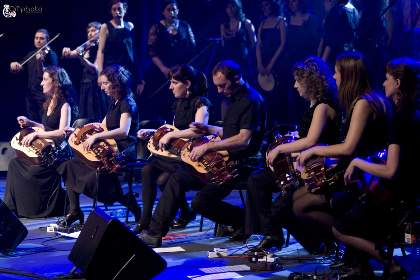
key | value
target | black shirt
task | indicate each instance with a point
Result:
(34, 80)
(113, 116)
(185, 110)
(246, 111)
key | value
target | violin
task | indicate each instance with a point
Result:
(81, 50)
(42, 51)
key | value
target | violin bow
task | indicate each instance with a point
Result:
(89, 40)
(43, 47)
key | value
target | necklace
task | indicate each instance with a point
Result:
(172, 31)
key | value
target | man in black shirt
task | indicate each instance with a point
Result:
(36, 65)
(242, 134)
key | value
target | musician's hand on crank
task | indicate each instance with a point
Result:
(89, 142)
(272, 156)
(23, 121)
(143, 134)
(304, 157)
(28, 139)
(67, 130)
(198, 152)
(351, 172)
(164, 141)
(199, 128)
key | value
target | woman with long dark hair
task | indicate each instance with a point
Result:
(34, 191)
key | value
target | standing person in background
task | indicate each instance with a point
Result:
(239, 39)
(93, 103)
(36, 65)
(303, 36)
(372, 35)
(116, 44)
(339, 34)
(171, 42)
(34, 191)
(270, 46)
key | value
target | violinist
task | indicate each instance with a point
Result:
(93, 103)
(121, 122)
(36, 65)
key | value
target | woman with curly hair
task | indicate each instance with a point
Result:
(321, 124)
(34, 191)
(121, 122)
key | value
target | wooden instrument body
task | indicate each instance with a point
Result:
(102, 155)
(40, 152)
(210, 168)
(319, 176)
(284, 166)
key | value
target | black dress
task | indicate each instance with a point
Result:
(119, 50)
(302, 41)
(93, 102)
(277, 100)
(81, 179)
(34, 191)
(172, 50)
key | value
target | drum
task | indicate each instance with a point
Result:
(268, 83)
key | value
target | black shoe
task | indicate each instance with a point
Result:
(400, 274)
(139, 228)
(361, 275)
(270, 241)
(69, 219)
(238, 234)
(182, 223)
(344, 264)
(154, 240)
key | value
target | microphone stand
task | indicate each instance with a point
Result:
(194, 58)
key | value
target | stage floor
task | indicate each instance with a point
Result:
(44, 255)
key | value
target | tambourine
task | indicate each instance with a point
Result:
(267, 82)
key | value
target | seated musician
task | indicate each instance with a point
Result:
(189, 86)
(34, 191)
(121, 122)
(365, 124)
(321, 124)
(368, 225)
(242, 132)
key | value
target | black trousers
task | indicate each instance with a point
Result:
(207, 202)
(265, 217)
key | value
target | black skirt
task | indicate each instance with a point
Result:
(81, 179)
(34, 191)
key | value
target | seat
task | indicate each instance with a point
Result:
(400, 217)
